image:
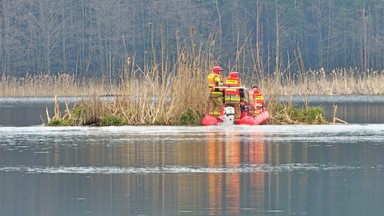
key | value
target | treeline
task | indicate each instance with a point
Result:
(98, 38)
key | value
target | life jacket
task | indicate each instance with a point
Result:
(213, 83)
(256, 101)
(232, 82)
(232, 95)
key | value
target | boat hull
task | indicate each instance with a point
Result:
(258, 119)
(209, 120)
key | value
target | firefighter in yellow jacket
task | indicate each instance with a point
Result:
(216, 98)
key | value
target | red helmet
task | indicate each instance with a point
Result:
(234, 74)
(217, 69)
(255, 90)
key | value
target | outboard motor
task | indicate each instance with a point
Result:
(244, 111)
(229, 115)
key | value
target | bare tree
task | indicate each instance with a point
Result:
(46, 24)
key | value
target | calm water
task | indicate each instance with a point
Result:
(158, 170)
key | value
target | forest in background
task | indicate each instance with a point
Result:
(96, 38)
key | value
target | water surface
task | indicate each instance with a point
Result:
(158, 170)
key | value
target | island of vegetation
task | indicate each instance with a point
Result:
(180, 96)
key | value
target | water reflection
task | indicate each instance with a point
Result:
(241, 170)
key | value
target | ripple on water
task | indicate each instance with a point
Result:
(182, 169)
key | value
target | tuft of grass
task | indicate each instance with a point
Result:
(78, 111)
(309, 115)
(56, 122)
(112, 120)
(190, 117)
(290, 114)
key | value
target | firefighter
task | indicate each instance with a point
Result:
(256, 100)
(216, 94)
(232, 95)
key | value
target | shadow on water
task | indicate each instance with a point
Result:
(29, 111)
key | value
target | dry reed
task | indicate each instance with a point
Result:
(315, 82)
(339, 81)
(49, 85)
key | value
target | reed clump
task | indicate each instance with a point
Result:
(156, 95)
(178, 96)
(290, 114)
(143, 104)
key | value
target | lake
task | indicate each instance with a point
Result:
(172, 170)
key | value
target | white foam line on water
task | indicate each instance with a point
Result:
(280, 129)
(182, 169)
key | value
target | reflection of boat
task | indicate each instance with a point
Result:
(228, 151)
(227, 117)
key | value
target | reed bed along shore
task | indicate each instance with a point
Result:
(339, 81)
(50, 85)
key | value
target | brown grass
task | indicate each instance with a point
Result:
(49, 85)
(339, 81)
(190, 79)
(157, 94)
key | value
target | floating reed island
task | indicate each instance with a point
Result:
(181, 98)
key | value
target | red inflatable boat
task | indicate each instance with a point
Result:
(245, 119)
